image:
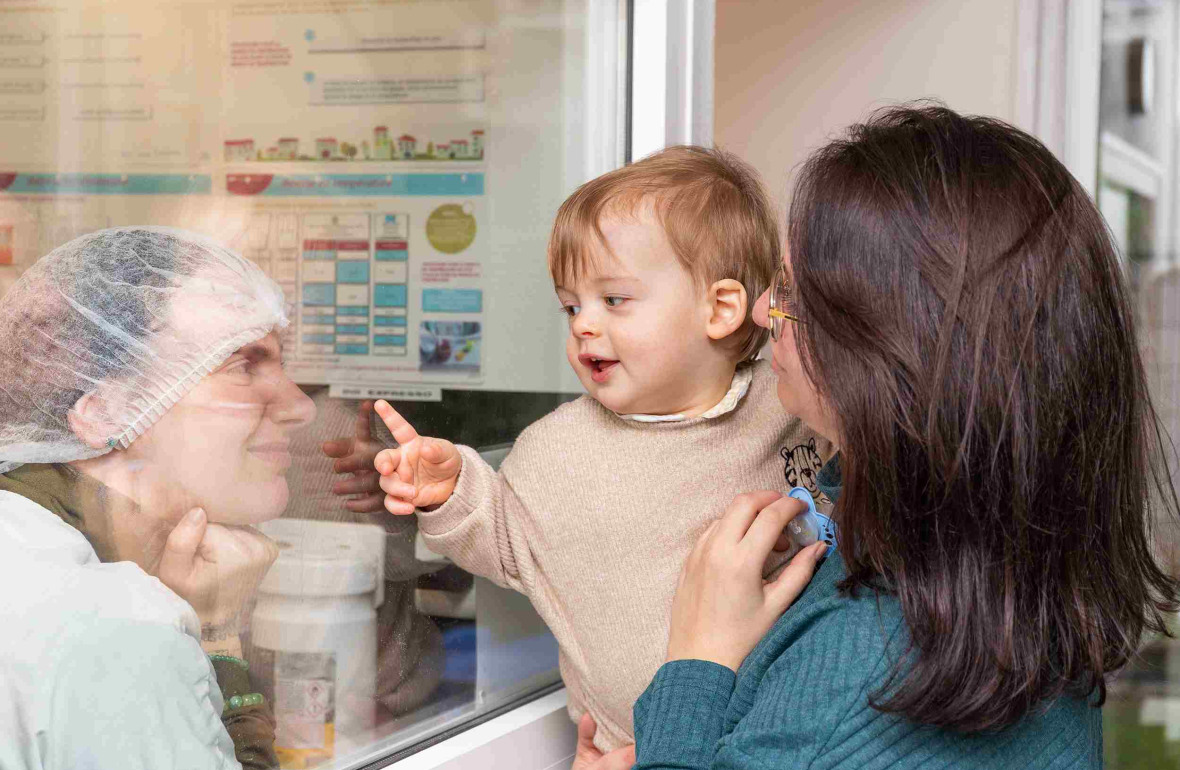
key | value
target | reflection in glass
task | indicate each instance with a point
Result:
(184, 114)
(1137, 168)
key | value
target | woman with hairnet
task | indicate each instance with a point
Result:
(144, 421)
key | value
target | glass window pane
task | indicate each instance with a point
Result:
(1137, 169)
(394, 168)
(1135, 36)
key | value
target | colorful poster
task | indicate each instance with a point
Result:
(384, 291)
(395, 85)
(347, 148)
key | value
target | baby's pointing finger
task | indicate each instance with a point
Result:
(402, 431)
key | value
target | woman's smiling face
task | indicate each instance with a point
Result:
(225, 445)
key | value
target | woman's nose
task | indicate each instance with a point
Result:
(291, 406)
(761, 306)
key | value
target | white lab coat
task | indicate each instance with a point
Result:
(100, 664)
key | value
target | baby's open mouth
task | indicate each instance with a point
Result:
(599, 367)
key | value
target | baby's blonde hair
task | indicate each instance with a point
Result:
(712, 208)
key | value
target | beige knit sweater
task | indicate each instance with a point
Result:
(591, 516)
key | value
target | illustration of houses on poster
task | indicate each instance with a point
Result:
(377, 147)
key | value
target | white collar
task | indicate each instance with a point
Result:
(737, 390)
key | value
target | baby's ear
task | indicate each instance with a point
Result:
(90, 421)
(728, 306)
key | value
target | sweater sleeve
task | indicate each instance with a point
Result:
(480, 527)
(680, 718)
(680, 722)
(803, 693)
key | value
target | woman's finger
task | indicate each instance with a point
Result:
(337, 447)
(619, 759)
(742, 511)
(364, 422)
(359, 484)
(218, 544)
(355, 462)
(366, 504)
(181, 547)
(768, 524)
(786, 588)
(587, 727)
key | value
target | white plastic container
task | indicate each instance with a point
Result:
(313, 635)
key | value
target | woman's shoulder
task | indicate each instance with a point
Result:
(114, 693)
(51, 578)
(91, 649)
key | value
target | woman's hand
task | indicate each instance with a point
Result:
(216, 569)
(588, 757)
(723, 607)
(355, 454)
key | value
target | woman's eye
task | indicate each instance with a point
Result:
(240, 369)
(614, 301)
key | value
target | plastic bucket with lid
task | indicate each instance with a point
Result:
(313, 639)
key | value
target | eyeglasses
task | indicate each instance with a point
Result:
(781, 295)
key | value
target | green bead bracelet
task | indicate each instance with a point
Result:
(242, 701)
(231, 659)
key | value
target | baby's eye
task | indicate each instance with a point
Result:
(614, 301)
(570, 310)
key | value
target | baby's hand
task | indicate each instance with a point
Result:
(420, 472)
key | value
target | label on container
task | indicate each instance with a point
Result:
(301, 687)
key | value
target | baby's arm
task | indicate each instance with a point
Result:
(466, 511)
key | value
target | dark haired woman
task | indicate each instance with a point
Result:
(952, 315)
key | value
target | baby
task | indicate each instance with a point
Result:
(595, 509)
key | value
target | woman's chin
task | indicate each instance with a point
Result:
(255, 504)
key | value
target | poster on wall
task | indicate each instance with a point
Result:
(395, 165)
(345, 153)
(385, 271)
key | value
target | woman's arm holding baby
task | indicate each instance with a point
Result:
(722, 609)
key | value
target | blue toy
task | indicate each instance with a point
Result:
(811, 525)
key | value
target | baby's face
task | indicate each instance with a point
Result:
(638, 339)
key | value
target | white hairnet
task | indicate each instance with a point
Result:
(136, 316)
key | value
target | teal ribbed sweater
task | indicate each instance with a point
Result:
(800, 700)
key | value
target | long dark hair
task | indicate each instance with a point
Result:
(965, 317)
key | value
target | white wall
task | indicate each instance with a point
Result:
(792, 73)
